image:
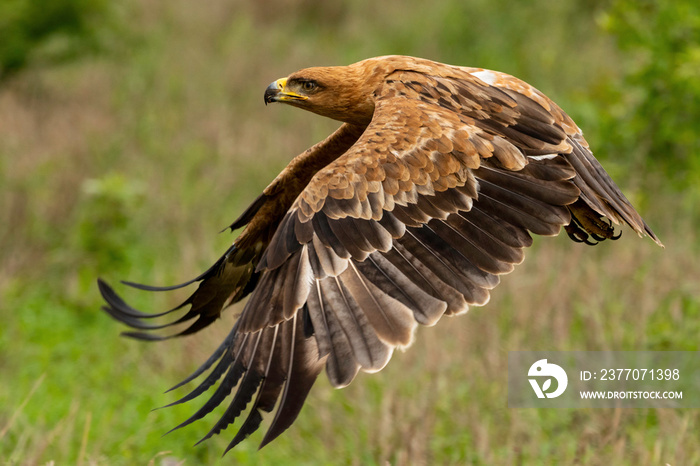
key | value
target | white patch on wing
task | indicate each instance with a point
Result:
(542, 157)
(489, 77)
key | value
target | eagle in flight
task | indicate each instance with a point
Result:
(428, 191)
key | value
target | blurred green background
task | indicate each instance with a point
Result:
(132, 132)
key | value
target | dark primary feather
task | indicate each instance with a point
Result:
(410, 211)
(228, 281)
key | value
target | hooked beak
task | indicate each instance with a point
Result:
(275, 93)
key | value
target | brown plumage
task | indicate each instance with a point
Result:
(409, 211)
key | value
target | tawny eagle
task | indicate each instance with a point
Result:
(410, 211)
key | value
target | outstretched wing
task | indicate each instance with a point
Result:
(234, 275)
(416, 220)
(539, 121)
(228, 281)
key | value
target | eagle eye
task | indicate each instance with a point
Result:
(308, 85)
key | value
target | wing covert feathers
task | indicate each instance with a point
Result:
(382, 227)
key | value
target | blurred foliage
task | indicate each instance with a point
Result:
(49, 31)
(651, 114)
(103, 226)
(106, 210)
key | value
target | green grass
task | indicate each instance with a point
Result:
(126, 166)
